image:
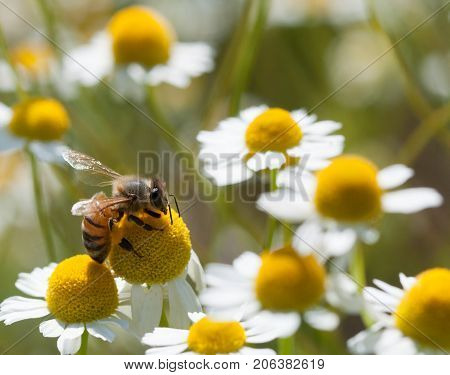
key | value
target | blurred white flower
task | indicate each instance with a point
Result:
(140, 42)
(346, 199)
(211, 335)
(435, 74)
(408, 320)
(280, 284)
(263, 138)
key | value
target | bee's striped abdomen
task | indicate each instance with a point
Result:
(96, 236)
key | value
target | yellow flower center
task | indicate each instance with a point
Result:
(424, 311)
(288, 281)
(164, 254)
(273, 130)
(140, 35)
(42, 119)
(347, 190)
(34, 58)
(80, 290)
(209, 337)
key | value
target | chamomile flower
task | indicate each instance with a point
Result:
(210, 335)
(263, 138)
(37, 122)
(280, 283)
(34, 63)
(158, 276)
(142, 42)
(408, 320)
(77, 295)
(346, 199)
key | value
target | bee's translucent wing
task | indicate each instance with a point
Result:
(96, 204)
(88, 168)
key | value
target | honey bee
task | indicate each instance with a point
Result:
(130, 194)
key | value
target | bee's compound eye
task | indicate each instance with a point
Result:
(155, 193)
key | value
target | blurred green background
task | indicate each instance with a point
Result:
(306, 50)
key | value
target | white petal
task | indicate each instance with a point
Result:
(50, 152)
(246, 350)
(70, 340)
(308, 238)
(165, 337)
(285, 204)
(267, 325)
(249, 114)
(51, 328)
(196, 316)
(392, 341)
(322, 319)
(392, 290)
(302, 117)
(225, 296)
(146, 308)
(17, 308)
(167, 350)
(339, 241)
(35, 283)
(412, 200)
(217, 274)
(407, 282)
(182, 300)
(195, 271)
(121, 321)
(266, 160)
(5, 114)
(232, 172)
(101, 331)
(364, 342)
(298, 179)
(247, 264)
(342, 292)
(321, 127)
(393, 176)
(379, 299)
(9, 142)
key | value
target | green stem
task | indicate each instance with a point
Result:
(44, 221)
(287, 234)
(286, 345)
(161, 120)
(49, 20)
(423, 134)
(271, 221)
(84, 343)
(358, 271)
(254, 24)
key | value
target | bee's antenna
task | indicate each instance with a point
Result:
(176, 203)
(170, 213)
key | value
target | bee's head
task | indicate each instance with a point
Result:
(158, 195)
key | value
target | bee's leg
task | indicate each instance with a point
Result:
(126, 245)
(139, 222)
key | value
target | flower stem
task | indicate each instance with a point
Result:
(271, 221)
(286, 345)
(254, 27)
(40, 209)
(49, 20)
(84, 343)
(358, 271)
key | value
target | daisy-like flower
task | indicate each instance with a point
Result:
(346, 199)
(211, 335)
(35, 65)
(143, 42)
(264, 138)
(78, 295)
(280, 283)
(38, 122)
(408, 320)
(158, 277)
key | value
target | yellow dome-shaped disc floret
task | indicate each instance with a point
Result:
(164, 254)
(273, 130)
(288, 281)
(210, 337)
(81, 290)
(424, 311)
(41, 119)
(34, 58)
(347, 190)
(140, 35)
